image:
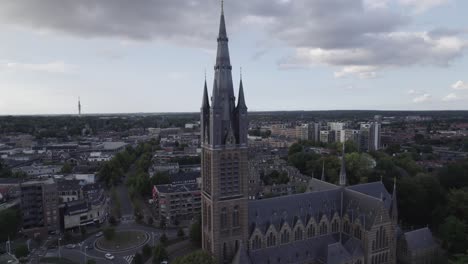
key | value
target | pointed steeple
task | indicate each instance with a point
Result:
(223, 102)
(222, 58)
(323, 171)
(205, 102)
(241, 100)
(343, 168)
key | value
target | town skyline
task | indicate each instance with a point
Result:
(122, 67)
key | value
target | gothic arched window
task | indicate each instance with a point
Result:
(335, 226)
(271, 240)
(256, 243)
(298, 234)
(285, 237)
(311, 231)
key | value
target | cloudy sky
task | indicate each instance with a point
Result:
(124, 56)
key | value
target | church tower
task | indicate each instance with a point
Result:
(224, 169)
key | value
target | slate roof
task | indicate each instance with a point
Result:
(374, 189)
(76, 207)
(69, 185)
(177, 188)
(336, 254)
(361, 206)
(184, 177)
(419, 239)
(291, 208)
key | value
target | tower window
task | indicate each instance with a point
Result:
(235, 216)
(224, 218)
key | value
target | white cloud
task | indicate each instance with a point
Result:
(460, 85)
(50, 67)
(420, 6)
(385, 50)
(422, 99)
(363, 72)
(451, 97)
(374, 4)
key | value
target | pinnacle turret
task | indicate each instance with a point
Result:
(241, 100)
(205, 102)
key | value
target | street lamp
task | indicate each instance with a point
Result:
(60, 253)
(154, 234)
(84, 252)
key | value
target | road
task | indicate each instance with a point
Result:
(126, 205)
(122, 257)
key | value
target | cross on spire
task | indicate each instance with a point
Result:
(222, 6)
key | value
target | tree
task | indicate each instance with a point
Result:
(83, 231)
(163, 239)
(146, 251)
(460, 259)
(160, 178)
(195, 232)
(21, 251)
(162, 222)
(91, 261)
(196, 257)
(67, 236)
(67, 168)
(150, 220)
(109, 233)
(351, 147)
(159, 254)
(138, 259)
(453, 233)
(295, 148)
(9, 224)
(457, 202)
(358, 167)
(180, 232)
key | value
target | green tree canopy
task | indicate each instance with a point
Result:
(9, 224)
(453, 234)
(159, 254)
(199, 256)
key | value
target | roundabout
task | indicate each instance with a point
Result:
(122, 241)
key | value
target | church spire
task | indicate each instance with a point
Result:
(343, 168)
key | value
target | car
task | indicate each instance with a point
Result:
(109, 256)
(99, 234)
(70, 246)
(90, 246)
(164, 262)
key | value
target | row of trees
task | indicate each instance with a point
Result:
(140, 182)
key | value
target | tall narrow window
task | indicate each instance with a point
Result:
(271, 240)
(311, 231)
(224, 218)
(298, 234)
(235, 216)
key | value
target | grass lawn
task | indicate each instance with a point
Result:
(122, 240)
(55, 260)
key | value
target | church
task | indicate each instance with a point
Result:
(327, 224)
